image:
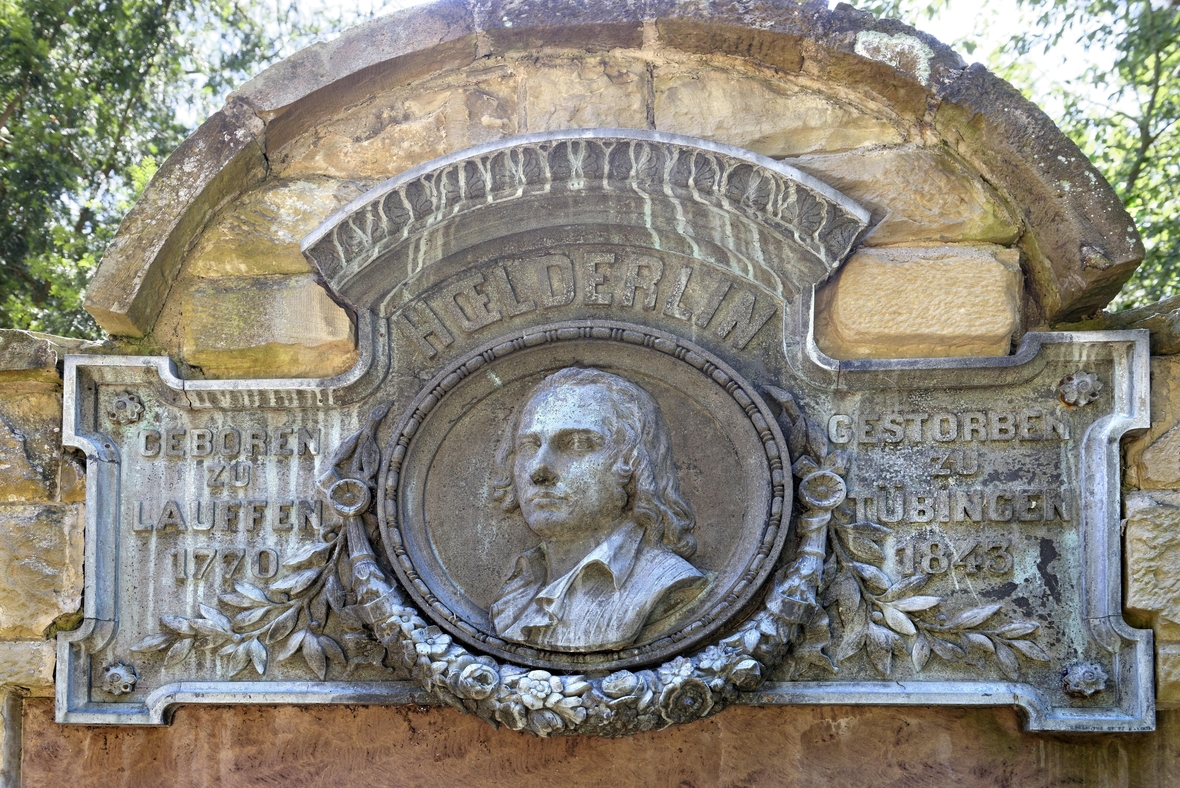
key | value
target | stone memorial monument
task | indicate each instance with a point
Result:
(592, 474)
(594, 370)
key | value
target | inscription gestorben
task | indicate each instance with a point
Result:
(593, 476)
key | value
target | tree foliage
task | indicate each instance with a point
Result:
(1114, 88)
(92, 94)
(1122, 108)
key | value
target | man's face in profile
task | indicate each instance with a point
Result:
(563, 470)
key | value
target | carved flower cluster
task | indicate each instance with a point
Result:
(1079, 389)
(119, 678)
(1083, 679)
(684, 689)
(126, 409)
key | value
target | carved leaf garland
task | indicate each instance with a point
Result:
(824, 611)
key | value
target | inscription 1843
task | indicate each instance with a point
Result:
(592, 475)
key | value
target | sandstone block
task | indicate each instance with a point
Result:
(259, 327)
(24, 352)
(1167, 675)
(1162, 319)
(27, 663)
(409, 127)
(1153, 554)
(30, 441)
(1152, 460)
(921, 302)
(917, 194)
(40, 566)
(768, 117)
(584, 93)
(592, 27)
(260, 232)
(1082, 245)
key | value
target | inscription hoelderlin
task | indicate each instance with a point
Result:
(691, 293)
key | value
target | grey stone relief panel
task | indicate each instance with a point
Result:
(904, 532)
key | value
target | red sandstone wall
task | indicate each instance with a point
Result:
(793, 746)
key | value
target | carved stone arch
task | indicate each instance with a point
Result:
(777, 227)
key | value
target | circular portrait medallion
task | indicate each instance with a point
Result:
(585, 496)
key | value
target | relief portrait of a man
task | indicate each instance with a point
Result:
(588, 462)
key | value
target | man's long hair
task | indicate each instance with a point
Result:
(641, 441)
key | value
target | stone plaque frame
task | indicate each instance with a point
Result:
(385, 260)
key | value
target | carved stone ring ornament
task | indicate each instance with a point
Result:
(681, 570)
(349, 496)
(563, 431)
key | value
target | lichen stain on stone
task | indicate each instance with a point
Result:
(904, 53)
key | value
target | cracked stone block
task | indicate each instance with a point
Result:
(259, 327)
(30, 441)
(917, 194)
(408, 127)
(1152, 460)
(27, 663)
(40, 566)
(764, 116)
(260, 233)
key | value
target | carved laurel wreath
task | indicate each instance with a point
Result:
(836, 566)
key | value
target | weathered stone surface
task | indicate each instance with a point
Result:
(1152, 557)
(1153, 553)
(222, 158)
(586, 92)
(281, 326)
(551, 24)
(1158, 465)
(811, 38)
(1167, 671)
(917, 194)
(320, 81)
(260, 233)
(27, 663)
(920, 302)
(409, 127)
(30, 440)
(1162, 319)
(40, 566)
(1081, 246)
(1152, 460)
(1080, 249)
(765, 116)
(25, 352)
(800, 746)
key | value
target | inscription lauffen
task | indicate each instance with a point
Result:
(230, 461)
